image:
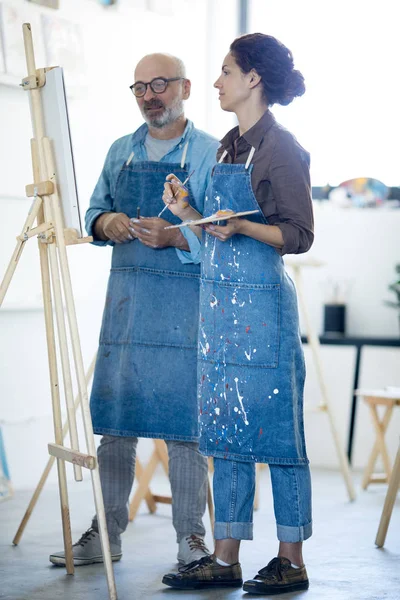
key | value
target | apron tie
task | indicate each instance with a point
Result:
(250, 157)
(248, 161)
(185, 149)
(132, 154)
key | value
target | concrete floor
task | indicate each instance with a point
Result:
(342, 560)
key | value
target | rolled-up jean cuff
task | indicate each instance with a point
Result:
(294, 534)
(236, 531)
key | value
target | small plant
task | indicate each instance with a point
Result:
(395, 287)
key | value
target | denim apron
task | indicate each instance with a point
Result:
(251, 365)
(145, 377)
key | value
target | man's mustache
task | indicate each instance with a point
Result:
(154, 103)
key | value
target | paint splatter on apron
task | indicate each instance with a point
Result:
(251, 364)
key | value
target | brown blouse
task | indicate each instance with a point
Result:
(280, 179)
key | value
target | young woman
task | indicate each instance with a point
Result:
(251, 365)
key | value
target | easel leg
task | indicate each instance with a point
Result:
(80, 374)
(391, 494)
(66, 368)
(49, 465)
(52, 358)
(18, 249)
(316, 352)
(51, 348)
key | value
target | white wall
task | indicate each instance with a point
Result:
(348, 54)
(100, 110)
(361, 245)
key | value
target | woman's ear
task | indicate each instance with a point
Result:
(255, 78)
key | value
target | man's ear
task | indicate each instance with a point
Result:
(187, 85)
(255, 78)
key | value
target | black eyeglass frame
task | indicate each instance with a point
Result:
(164, 79)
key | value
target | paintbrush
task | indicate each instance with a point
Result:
(182, 185)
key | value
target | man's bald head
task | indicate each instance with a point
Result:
(159, 62)
(162, 109)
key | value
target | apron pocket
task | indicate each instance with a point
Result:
(151, 307)
(240, 323)
(119, 307)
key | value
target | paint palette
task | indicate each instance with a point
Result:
(221, 215)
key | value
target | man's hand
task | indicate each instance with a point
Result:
(150, 231)
(115, 227)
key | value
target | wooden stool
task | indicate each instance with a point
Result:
(393, 488)
(374, 398)
(144, 476)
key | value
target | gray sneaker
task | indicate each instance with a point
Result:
(87, 550)
(192, 548)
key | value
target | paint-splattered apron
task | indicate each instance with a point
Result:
(251, 365)
(145, 378)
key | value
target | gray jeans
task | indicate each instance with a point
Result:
(188, 471)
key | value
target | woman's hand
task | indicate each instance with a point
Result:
(268, 234)
(175, 196)
(225, 232)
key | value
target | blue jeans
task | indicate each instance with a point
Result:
(234, 487)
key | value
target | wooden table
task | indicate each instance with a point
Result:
(359, 343)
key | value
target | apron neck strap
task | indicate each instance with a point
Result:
(185, 148)
(250, 157)
(248, 161)
(132, 154)
(221, 160)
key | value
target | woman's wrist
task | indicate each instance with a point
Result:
(242, 226)
(185, 213)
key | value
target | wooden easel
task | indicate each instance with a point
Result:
(143, 476)
(325, 405)
(56, 280)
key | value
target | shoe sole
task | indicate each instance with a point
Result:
(270, 590)
(59, 561)
(181, 562)
(200, 585)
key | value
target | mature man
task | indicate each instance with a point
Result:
(145, 378)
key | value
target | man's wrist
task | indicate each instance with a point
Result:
(179, 241)
(98, 226)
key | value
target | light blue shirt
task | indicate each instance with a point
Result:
(201, 156)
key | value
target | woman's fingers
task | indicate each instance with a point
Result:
(168, 195)
(173, 178)
(173, 185)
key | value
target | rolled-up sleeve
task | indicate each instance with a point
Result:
(194, 254)
(203, 162)
(101, 201)
(291, 188)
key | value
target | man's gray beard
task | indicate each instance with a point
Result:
(169, 116)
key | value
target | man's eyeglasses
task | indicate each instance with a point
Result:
(158, 85)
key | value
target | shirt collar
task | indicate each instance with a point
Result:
(254, 136)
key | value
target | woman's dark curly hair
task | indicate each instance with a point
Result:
(273, 62)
